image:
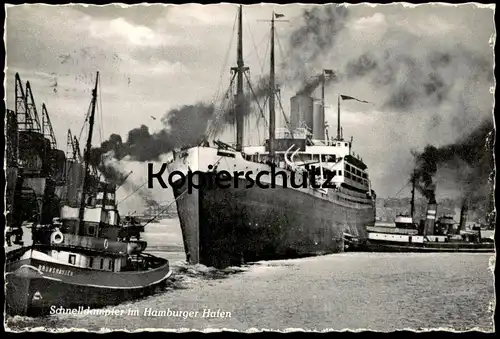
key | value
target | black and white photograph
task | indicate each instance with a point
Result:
(248, 168)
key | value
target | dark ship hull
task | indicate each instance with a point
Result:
(34, 285)
(224, 227)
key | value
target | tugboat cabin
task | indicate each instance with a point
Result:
(97, 238)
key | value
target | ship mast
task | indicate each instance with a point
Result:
(323, 80)
(272, 87)
(339, 136)
(86, 157)
(239, 90)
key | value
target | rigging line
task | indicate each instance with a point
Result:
(283, 112)
(217, 121)
(253, 40)
(86, 118)
(165, 209)
(265, 121)
(265, 55)
(259, 59)
(402, 189)
(131, 193)
(264, 109)
(226, 94)
(257, 125)
(254, 95)
(213, 128)
(224, 65)
(223, 110)
(279, 45)
(101, 127)
(180, 195)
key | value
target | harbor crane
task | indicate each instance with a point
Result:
(47, 129)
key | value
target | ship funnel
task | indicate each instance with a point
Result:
(301, 113)
(463, 215)
(318, 122)
(430, 220)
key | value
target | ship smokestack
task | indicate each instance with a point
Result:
(301, 115)
(318, 122)
(463, 215)
(430, 220)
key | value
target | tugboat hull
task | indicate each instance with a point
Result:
(430, 247)
(35, 286)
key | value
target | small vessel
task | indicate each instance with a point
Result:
(244, 222)
(85, 255)
(431, 235)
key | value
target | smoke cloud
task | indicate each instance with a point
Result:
(132, 193)
(315, 38)
(468, 164)
(183, 127)
(426, 78)
(411, 75)
(308, 87)
(409, 71)
(421, 78)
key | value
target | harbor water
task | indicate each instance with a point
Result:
(377, 291)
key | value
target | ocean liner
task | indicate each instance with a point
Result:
(229, 226)
(81, 254)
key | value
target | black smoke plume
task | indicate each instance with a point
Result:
(308, 87)
(183, 127)
(469, 164)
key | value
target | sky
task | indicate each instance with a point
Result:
(426, 70)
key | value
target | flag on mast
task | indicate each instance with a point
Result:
(277, 15)
(346, 97)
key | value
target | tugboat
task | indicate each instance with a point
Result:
(85, 256)
(431, 235)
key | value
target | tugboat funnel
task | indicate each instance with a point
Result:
(463, 215)
(430, 220)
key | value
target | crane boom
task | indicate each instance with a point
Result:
(47, 129)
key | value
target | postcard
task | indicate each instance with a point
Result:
(247, 168)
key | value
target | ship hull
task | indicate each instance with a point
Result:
(35, 287)
(229, 226)
(429, 247)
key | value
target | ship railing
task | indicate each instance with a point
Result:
(91, 243)
(391, 230)
(90, 250)
(319, 142)
(297, 133)
(146, 261)
(155, 261)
